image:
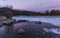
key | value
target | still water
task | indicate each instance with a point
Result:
(48, 19)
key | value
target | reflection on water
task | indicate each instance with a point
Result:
(2, 32)
(48, 19)
(54, 30)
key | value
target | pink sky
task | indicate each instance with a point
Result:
(32, 4)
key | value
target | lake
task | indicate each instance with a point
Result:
(48, 19)
(55, 20)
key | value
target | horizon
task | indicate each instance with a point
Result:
(32, 5)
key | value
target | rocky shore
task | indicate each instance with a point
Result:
(31, 29)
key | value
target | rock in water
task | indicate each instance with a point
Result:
(21, 31)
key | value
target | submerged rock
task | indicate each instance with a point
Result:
(38, 22)
(35, 30)
(21, 31)
(21, 21)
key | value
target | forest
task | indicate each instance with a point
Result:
(4, 11)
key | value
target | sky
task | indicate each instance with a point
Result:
(32, 4)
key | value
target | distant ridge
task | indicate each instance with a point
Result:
(17, 12)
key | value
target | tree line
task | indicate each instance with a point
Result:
(29, 13)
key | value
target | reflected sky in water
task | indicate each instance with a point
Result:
(48, 19)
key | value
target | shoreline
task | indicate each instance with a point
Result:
(34, 24)
(32, 29)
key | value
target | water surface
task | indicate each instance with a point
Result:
(48, 19)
